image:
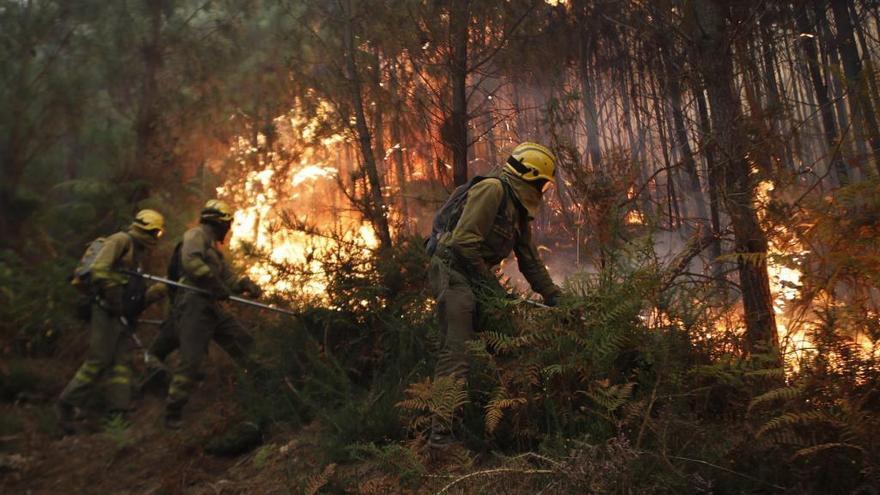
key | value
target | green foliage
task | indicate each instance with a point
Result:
(348, 366)
(10, 424)
(615, 378)
(21, 381)
(117, 429)
(434, 400)
(36, 302)
(319, 480)
(236, 438)
(263, 455)
(826, 418)
(394, 459)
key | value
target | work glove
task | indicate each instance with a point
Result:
(248, 286)
(554, 296)
(220, 291)
(112, 299)
(156, 292)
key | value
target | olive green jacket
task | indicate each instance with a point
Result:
(484, 235)
(123, 251)
(202, 261)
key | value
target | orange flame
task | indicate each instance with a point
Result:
(280, 190)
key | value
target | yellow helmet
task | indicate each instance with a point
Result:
(532, 162)
(149, 221)
(217, 210)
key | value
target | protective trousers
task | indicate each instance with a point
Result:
(108, 358)
(166, 341)
(200, 320)
(457, 311)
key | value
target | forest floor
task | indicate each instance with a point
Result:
(144, 457)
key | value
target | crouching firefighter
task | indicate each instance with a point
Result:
(478, 226)
(199, 317)
(116, 301)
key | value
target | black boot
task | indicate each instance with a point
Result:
(65, 414)
(439, 436)
(173, 418)
(155, 381)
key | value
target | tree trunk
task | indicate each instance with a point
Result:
(821, 90)
(715, 61)
(673, 88)
(397, 137)
(712, 182)
(148, 153)
(378, 120)
(588, 96)
(860, 100)
(671, 200)
(831, 60)
(376, 208)
(865, 49)
(774, 101)
(459, 18)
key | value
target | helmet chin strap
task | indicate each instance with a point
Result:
(518, 165)
(221, 229)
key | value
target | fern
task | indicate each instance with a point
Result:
(495, 408)
(553, 370)
(611, 398)
(118, 430)
(768, 373)
(792, 419)
(779, 394)
(815, 449)
(438, 399)
(498, 341)
(315, 483)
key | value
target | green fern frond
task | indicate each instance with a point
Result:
(495, 408)
(318, 481)
(815, 449)
(770, 373)
(791, 419)
(783, 394)
(611, 398)
(498, 341)
(553, 370)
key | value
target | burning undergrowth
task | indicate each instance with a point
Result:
(294, 210)
(621, 362)
(645, 350)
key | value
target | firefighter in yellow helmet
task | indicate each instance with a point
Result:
(117, 299)
(200, 318)
(482, 222)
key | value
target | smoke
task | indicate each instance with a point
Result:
(565, 261)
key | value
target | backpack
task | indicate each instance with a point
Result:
(81, 279)
(448, 215)
(175, 270)
(82, 274)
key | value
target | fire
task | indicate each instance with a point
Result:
(312, 172)
(785, 286)
(634, 217)
(278, 198)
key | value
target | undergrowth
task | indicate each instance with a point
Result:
(633, 384)
(617, 390)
